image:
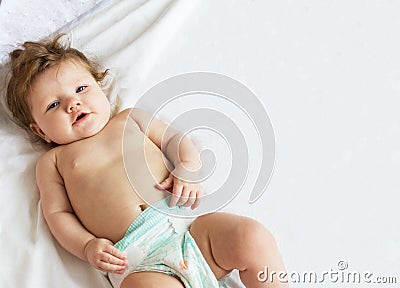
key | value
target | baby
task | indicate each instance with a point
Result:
(95, 211)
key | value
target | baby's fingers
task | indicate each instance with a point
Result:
(166, 184)
(176, 194)
(112, 259)
(188, 199)
(110, 263)
(108, 258)
(111, 268)
(110, 249)
(199, 194)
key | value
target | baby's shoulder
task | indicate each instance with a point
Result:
(140, 116)
(136, 114)
(47, 159)
(124, 113)
(50, 155)
(131, 111)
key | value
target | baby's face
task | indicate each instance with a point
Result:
(67, 104)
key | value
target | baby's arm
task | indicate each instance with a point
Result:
(180, 150)
(66, 227)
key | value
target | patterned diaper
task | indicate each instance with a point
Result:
(158, 242)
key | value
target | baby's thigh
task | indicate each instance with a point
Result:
(150, 280)
(217, 235)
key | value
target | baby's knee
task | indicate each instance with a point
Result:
(256, 235)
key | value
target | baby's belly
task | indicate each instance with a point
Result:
(107, 205)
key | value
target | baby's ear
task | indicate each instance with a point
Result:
(36, 129)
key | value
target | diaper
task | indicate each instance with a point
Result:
(157, 241)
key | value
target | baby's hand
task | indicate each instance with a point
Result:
(184, 193)
(102, 255)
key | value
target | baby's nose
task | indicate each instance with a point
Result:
(72, 104)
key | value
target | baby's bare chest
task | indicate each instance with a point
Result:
(101, 173)
(102, 154)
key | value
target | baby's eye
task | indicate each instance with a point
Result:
(80, 89)
(53, 105)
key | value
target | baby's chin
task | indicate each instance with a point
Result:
(74, 139)
(89, 130)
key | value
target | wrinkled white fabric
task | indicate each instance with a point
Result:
(31, 20)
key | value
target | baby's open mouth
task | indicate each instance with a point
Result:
(81, 117)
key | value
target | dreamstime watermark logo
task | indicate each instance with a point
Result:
(174, 91)
(339, 275)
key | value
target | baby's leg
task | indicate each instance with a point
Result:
(230, 242)
(150, 280)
